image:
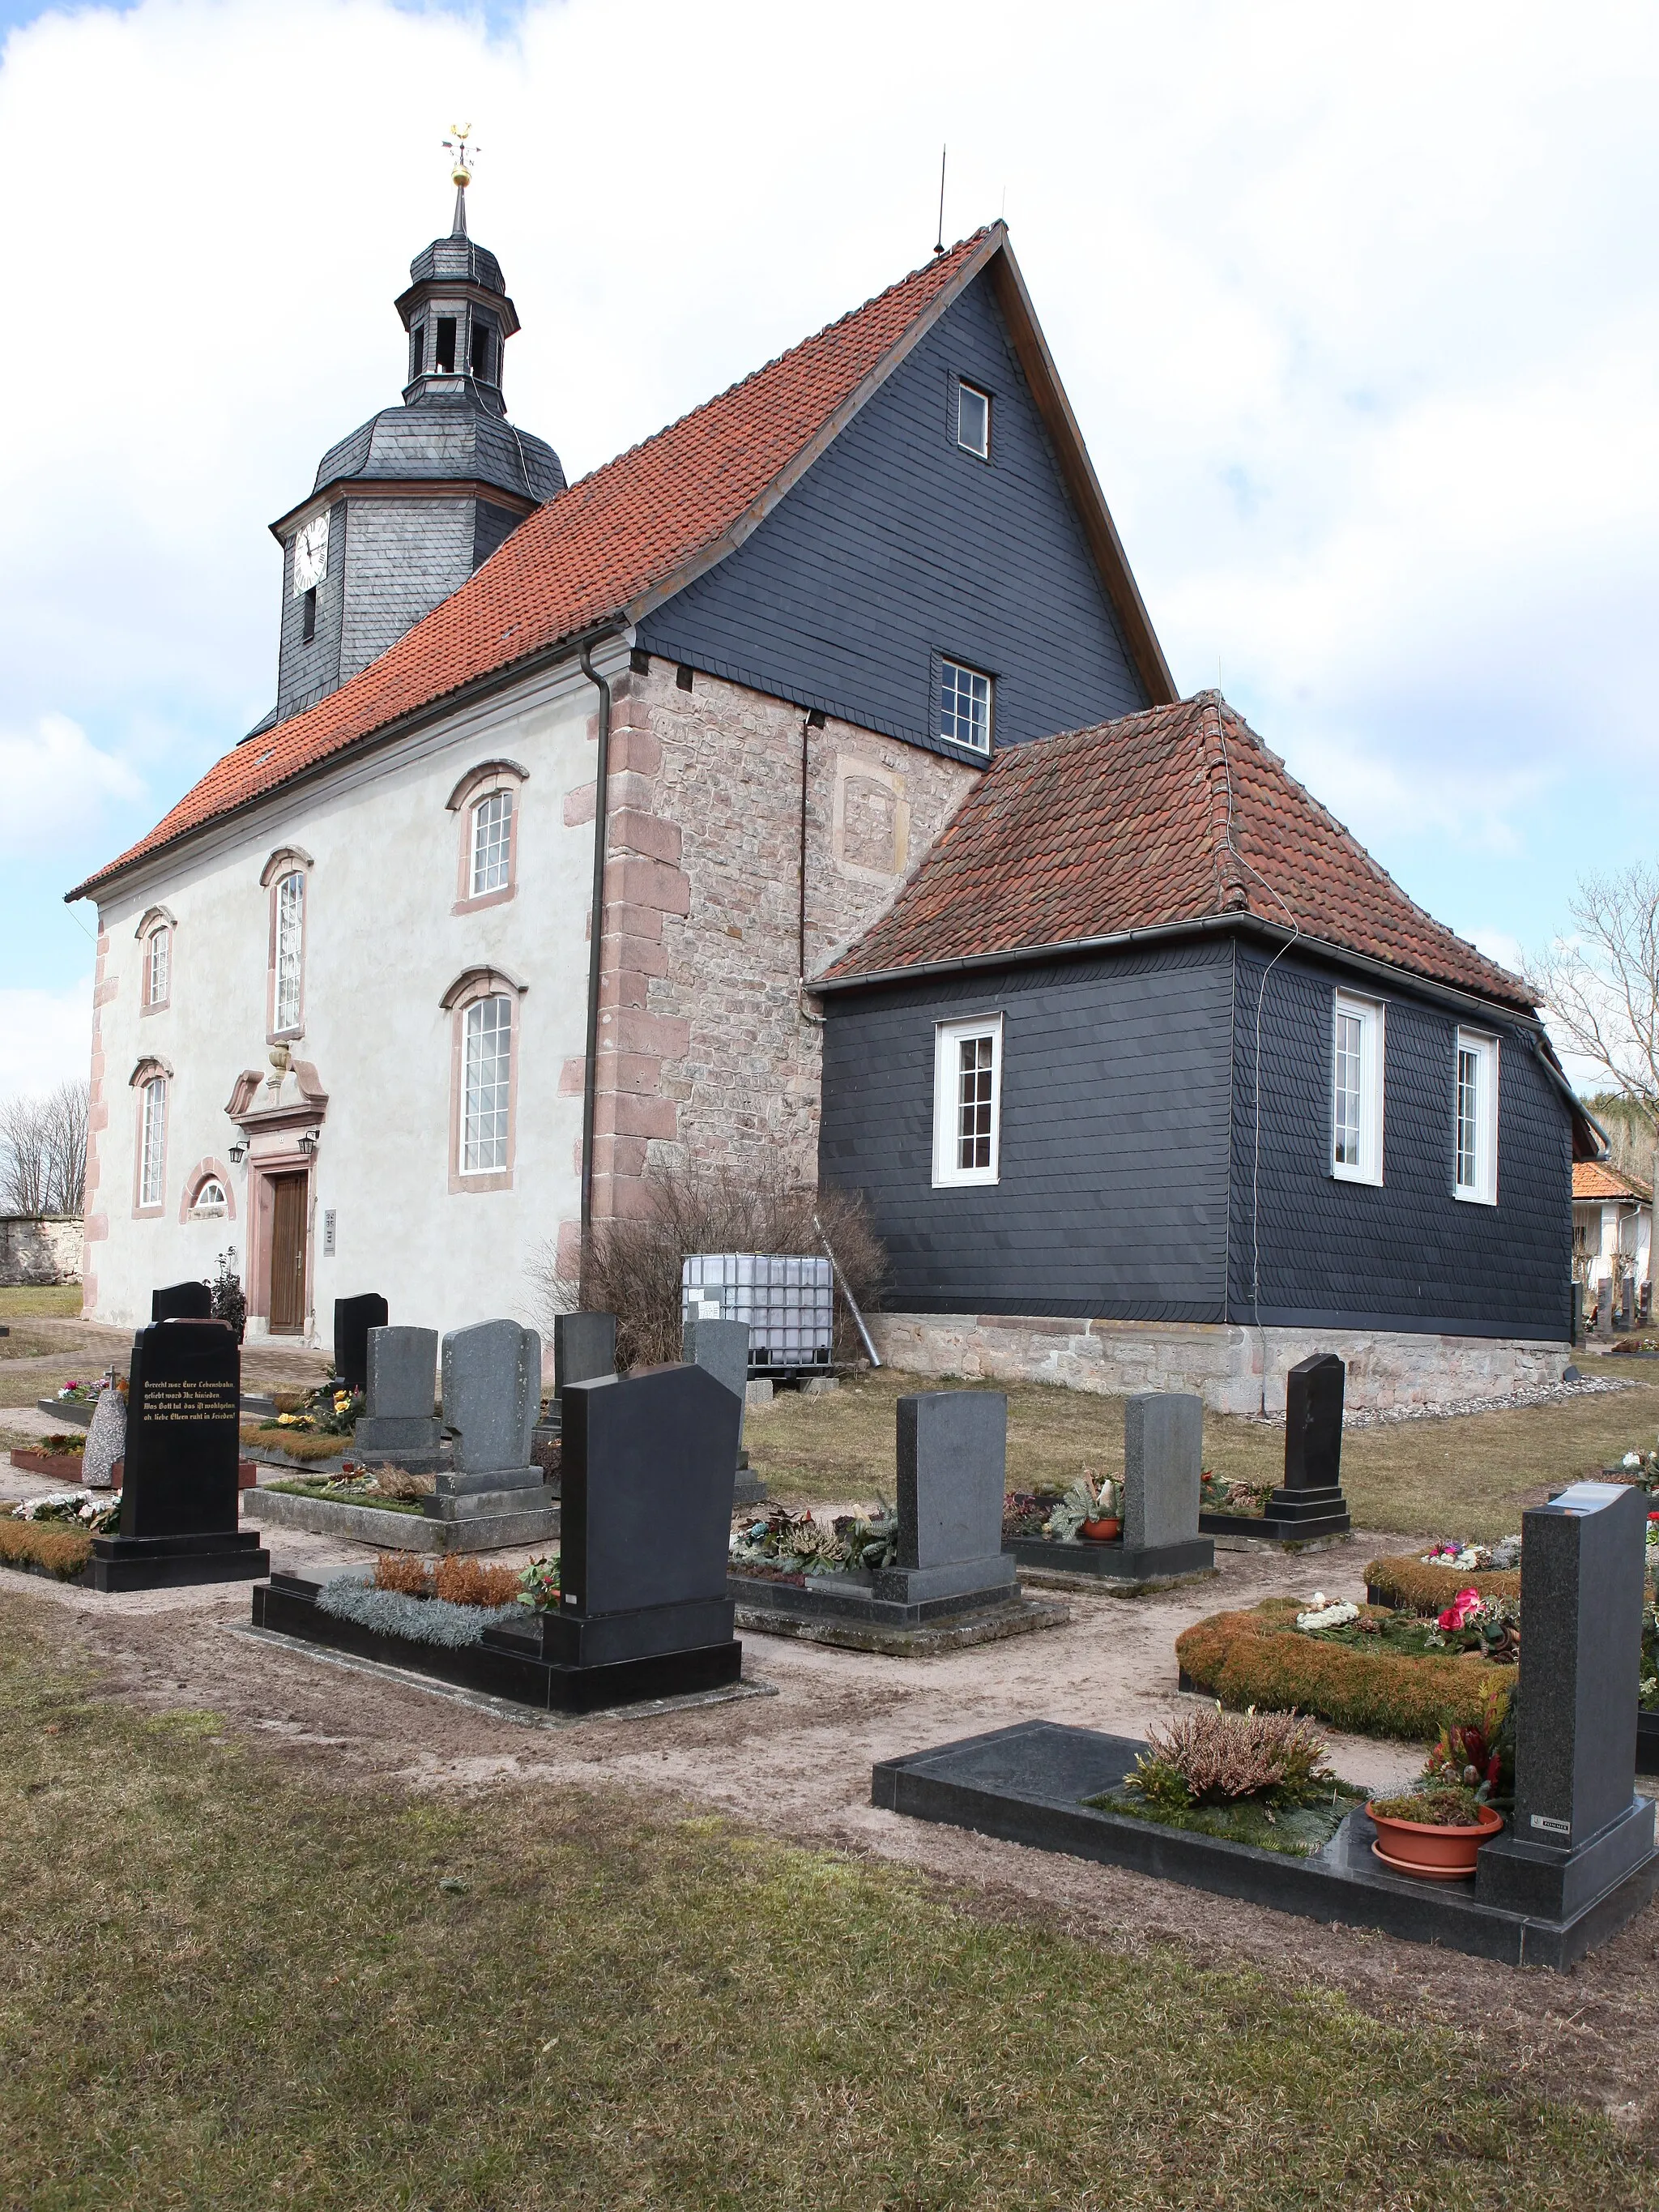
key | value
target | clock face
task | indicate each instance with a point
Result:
(311, 556)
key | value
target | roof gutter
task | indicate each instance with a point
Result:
(384, 733)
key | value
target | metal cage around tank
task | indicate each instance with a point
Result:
(788, 1303)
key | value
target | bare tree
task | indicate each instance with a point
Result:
(43, 1153)
(1601, 986)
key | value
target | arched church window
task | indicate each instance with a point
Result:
(211, 1198)
(487, 1075)
(152, 1142)
(285, 876)
(486, 800)
(492, 843)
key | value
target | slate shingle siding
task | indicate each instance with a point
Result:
(307, 673)
(1405, 1255)
(1113, 1190)
(897, 546)
(406, 555)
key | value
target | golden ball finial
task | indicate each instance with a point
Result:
(461, 170)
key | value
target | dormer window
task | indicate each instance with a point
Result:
(416, 350)
(483, 352)
(446, 345)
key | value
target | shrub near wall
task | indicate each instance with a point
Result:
(1261, 1658)
(1411, 1586)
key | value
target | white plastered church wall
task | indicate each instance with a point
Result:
(383, 946)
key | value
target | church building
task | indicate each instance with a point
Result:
(576, 828)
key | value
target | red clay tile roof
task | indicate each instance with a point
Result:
(1125, 827)
(1594, 1179)
(595, 551)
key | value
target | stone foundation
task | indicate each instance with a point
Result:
(1233, 1369)
(37, 1250)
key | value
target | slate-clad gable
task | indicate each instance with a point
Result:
(897, 546)
(1406, 1253)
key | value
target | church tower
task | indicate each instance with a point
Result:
(405, 508)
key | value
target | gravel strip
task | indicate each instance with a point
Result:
(1448, 1409)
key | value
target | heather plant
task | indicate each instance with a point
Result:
(1214, 1758)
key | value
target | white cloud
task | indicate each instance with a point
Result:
(48, 772)
(46, 1038)
(1363, 350)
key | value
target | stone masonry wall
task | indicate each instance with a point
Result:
(36, 1249)
(1234, 1370)
(705, 1051)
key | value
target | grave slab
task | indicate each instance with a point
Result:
(1026, 1784)
(181, 1489)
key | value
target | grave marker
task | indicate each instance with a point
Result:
(722, 1348)
(353, 1320)
(182, 1302)
(181, 1501)
(397, 1425)
(1309, 1502)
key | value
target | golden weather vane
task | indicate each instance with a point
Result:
(464, 154)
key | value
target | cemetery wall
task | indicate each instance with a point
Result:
(374, 1068)
(1235, 1369)
(36, 1248)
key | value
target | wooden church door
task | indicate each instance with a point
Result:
(287, 1255)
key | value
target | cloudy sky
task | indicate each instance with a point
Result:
(1358, 309)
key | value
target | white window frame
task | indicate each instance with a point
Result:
(958, 669)
(158, 966)
(287, 1008)
(492, 855)
(153, 1143)
(979, 452)
(1367, 1167)
(948, 1039)
(1480, 1188)
(497, 1010)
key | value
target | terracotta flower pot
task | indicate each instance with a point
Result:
(1101, 1532)
(1436, 1853)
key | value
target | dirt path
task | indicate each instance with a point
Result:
(798, 1764)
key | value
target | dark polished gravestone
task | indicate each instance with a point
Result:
(353, 1320)
(722, 1348)
(1579, 1829)
(1309, 1505)
(182, 1302)
(181, 1500)
(1163, 1470)
(643, 1609)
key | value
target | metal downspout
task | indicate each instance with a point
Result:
(596, 939)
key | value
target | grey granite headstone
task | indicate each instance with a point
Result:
(1578, 1827)
(584, 1348)
(397, 1422)
(721, 1347)
(106, 1439)
(492, 1389)
(952, 1474)
(1162, 1464)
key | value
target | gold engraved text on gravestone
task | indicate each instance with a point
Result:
(184, 1401)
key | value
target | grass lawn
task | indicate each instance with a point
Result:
(1464, 1477)
(227, 1980)
(41, 1302)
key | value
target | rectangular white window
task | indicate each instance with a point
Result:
(964, 706)
(290, 948)
(485, 1077)
(973, 420)
(492, 842)
(159, 962)
(1475, 1119)
(1356, 1090)
(966, 1100)
(153, 1141)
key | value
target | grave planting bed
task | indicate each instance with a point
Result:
(1261, 1658)
(1411, 1585)
(1029, 1784)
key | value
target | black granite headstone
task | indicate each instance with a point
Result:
(181, 1500)
(353, 1320)
(1579, 1827)
(182, 1302)
(1311, 1500)
(647, 1476)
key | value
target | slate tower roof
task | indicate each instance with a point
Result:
(403, 510)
